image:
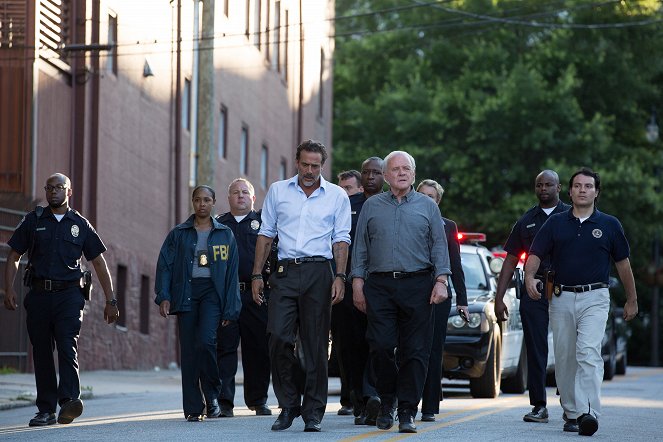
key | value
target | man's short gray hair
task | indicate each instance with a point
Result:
(396, 153)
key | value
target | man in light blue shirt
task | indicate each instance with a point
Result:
(312, 220)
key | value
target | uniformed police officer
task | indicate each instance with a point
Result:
(534, 313)
(581, 242)
(245, 222)
(55, 238)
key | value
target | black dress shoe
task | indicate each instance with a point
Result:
(213, 409)
(427, 417)
(226, 410)
(406, 422)
(345, 410)
(587, 425)
(70, 410)
(262, 410)
(42, 419)
(312, 426)
(372, 410)
(284, 421)
(538, 414)
(571, 425)
(195, 418)
(385, 419)
(361, 419)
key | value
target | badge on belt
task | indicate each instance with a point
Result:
(203, 259)
(558, 290)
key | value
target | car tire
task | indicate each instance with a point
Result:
(488, 385)
(610, 366)
(620, 368)
(518, 382)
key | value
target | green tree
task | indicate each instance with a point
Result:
(485, 94)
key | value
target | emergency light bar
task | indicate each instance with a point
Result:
(471, 237)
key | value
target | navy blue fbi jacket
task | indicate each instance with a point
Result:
(175, 265)
(58, 246)
(580, 252)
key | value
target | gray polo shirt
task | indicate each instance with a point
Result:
(400, 237)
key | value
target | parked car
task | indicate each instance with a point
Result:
(488, 353)
(614, 348)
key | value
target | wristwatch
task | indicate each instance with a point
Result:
(343, 276)
(112, 302)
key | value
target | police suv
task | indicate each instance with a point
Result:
(488, 353)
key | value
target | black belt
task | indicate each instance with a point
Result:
(401, 275)
(303, 260)
(50, 285)
(583, 287)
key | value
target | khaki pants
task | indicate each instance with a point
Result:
(578, 323)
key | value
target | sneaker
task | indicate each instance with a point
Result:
(42, 419)
(346, 410)
(587, 425)
(538, 414)
(571, 426)
(195, 417)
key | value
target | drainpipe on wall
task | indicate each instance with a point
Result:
(178, 112)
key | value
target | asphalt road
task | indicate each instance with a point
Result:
(632, 410)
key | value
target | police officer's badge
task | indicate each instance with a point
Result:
(255, 225)
(597, 233)
(75, 231)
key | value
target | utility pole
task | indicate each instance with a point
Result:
(205, 124)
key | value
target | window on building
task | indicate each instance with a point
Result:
(223, 132)
(244, 151)
(283, 169)
(111, 59)
(286, 29)
(247, 21)
(145, 304)
(256, 23)
(121, 294)
(321, 79)
(55, 30)
(186, 104)
(276, 59)
(264, 157)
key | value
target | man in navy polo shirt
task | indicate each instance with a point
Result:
(580, 244)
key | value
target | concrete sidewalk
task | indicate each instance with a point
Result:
(18, 389)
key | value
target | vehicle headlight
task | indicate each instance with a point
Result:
(456, 324)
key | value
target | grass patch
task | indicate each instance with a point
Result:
(7, 370)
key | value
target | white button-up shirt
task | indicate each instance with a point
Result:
(306, 226)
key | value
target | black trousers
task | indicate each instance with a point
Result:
(255, 350)
(430, 400)
(300, 311)
(198, 327)
(54, 321)
(534, 315)
(227, 342)
(342, 340)
(400, 316)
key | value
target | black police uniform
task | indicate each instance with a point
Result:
(251, 326)
(54, 304)
(534, 313)
(348, 327)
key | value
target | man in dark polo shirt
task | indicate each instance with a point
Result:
(244, 222)
(534, 313)
(400, 264)
(581, 242)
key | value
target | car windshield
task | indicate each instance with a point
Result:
(475, 278)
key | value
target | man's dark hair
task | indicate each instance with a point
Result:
(312, 146)
(203, 186)
(347, 174)
(590, 173)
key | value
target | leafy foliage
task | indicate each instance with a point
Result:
(485, 94)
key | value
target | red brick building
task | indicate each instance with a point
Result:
(107, 92)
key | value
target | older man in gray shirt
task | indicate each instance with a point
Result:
(400, 264)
